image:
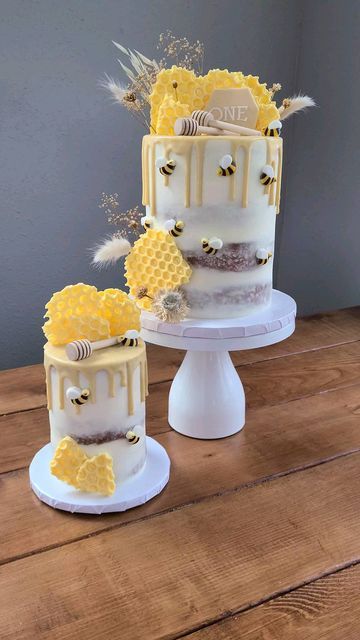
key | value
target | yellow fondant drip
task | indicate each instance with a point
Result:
(113, 360)
(185, 146)
(278, 179)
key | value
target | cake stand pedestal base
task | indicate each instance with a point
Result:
(207, 398)
(135, 491)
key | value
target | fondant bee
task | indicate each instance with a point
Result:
(132, 437)
(146, 222)
(130, 339)
(166, 167)
(227, 166)
(212, 246)
(78, 396)
(267, 175)
(273, 129)
(263, 256)
(175, 228)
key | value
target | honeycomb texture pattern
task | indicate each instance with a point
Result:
(97, 476)
(155, 262)
(119, 311)
(169, 111)
(196, 91)
(81, 311)
(67, 461)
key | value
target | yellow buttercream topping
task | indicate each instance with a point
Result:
(155, 262)
(195, 91)
(81, 311)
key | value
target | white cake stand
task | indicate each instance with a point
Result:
(137, 490)
(207, 398)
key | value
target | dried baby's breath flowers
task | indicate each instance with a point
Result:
(129, 222)
(181, 51)
(142, 292)
(170, 305)
(275, 88)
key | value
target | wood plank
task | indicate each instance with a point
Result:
(276, 441)
(22, 389)
(300, 375)
(168, 575)
(266, 384)
(327, 609)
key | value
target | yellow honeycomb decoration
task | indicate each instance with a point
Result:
(195, 92)
(67, 461)
(71, 465)
(186, 84)
(169, 111)
(60, 330)
(97, 476)
(155, 262)
(81, 311)
(119, 311)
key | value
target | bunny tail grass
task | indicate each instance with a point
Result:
(297, 103)
(109, 251)
(114, 88)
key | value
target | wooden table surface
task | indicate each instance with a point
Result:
(256, 537)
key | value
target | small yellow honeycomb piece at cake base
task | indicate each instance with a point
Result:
(155, 262)
(62, 329)
(75, 299)
(96, 475)
(120, 311)
(169, 110)
(186, 84)
(67, 460)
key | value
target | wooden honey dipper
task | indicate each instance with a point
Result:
(189, 127)
(81, 349)
(205, 119)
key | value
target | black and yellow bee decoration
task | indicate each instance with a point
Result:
(212, 246)
(147, 222)
(166, 167)
(132, 437)
(273, 129)
(267, 175)
(227, 166)
(263, 256)
(174, 227)
(130, 338)
(78, 396)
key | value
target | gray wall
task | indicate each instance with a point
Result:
(63, 143)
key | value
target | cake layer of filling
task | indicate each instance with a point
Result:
(234, 257)
(244, 296)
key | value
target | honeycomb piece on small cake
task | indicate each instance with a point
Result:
(155, 262)
(96, 475)
(67, 460)
(169, 111)
(61, 330)
(120, 311)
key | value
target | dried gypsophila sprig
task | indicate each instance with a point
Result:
(170, 305)
(181, 51)
(129, 222)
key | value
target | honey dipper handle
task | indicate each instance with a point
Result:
(234, 128)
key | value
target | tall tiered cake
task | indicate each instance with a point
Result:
(211, 174)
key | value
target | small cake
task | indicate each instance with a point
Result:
(96, 380)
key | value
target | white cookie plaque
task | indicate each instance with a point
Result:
(235, 106)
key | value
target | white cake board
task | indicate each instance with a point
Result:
(137, 490)
(207, 398)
